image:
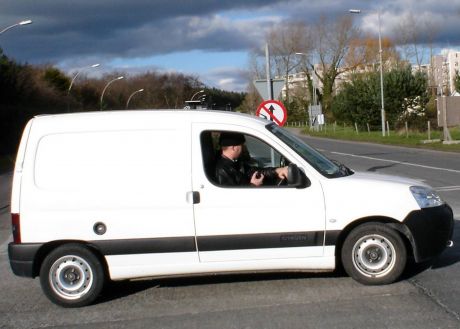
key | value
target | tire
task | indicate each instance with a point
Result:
(72, 276)
(374, 254)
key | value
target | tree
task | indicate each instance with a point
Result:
(415, 35)
(457, 81)
(332, 40)
(26, 91)
(56, 79)
(363, 54)
(405, 98)
(285, 40)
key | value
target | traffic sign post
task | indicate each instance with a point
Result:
(274, 111)
(276, 86)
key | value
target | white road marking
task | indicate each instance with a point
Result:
(398, 162)
(447, 188)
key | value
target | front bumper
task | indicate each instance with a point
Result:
(430, 230)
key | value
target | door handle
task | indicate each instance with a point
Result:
(193, 197)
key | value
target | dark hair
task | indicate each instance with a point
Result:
(231, 139)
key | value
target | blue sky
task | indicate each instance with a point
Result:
(209, 39)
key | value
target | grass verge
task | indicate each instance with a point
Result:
(402, 138)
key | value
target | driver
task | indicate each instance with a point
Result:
(232, 170)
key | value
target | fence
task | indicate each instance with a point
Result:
(428, 134)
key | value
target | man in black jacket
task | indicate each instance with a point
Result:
(232, 171)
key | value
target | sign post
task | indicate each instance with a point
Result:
(275, 87)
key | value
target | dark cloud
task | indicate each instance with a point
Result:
(141, 27)
(83, 30)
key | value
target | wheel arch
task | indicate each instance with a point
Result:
(399, 227)
(50, 246)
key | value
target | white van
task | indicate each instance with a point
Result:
(123, 195)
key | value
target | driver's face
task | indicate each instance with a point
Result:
(238, 149)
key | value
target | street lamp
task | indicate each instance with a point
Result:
(200, 91)
(78, 72)
(358, 11)
(107, 85)
(26, 22)
(131, 96)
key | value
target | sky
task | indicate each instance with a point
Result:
(209, 39)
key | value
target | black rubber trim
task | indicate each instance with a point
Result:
(212, 243)
(259, 241)
(145, 246)
(332, 237)
(22, 258)
(430, 229)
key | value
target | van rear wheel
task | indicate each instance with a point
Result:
(71, 276)
(374, 254)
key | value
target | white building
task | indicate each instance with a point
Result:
(441, 72)
(445, 68)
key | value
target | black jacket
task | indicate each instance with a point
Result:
(239, 173)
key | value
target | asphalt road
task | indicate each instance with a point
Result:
(427, 297)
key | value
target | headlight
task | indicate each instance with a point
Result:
(426, 197)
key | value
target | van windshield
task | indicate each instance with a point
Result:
(326, 167)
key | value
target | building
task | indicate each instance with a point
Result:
(444, 70)
(441, 72)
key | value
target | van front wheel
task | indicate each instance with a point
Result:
(71, 276)
(374, 254)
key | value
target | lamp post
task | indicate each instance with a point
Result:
(358, 11)
(200, 91)
(26, 22)
(78, 72)
(107, 85)
(131, 96)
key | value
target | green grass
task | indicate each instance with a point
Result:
(411, 139)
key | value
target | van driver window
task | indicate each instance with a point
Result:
(242, 160)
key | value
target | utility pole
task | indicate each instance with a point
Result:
(267, 69)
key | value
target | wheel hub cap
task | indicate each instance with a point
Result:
(374, 255)
(71, 277)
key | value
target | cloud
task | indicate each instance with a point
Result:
(228, 78)
(74, 33)
(126, 28)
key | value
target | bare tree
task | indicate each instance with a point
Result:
(363, 54)
(256, 67)
(332, 39)
(416, 37)
(409, 33)
(285, 40)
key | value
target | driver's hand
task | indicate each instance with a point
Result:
(282, 172)
(257, 181)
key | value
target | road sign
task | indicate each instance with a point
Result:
(276, 85)
(274, 111)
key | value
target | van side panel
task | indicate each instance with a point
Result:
(134, 181)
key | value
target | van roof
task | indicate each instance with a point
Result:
(153, 114)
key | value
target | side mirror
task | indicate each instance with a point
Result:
(296, 178)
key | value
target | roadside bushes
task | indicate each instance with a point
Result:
(405, 98)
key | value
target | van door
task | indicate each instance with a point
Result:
(133, 182)
(253, 223)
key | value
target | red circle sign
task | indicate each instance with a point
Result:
(274, 111)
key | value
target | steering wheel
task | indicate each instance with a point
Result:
(281, 182)
(292, 176)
